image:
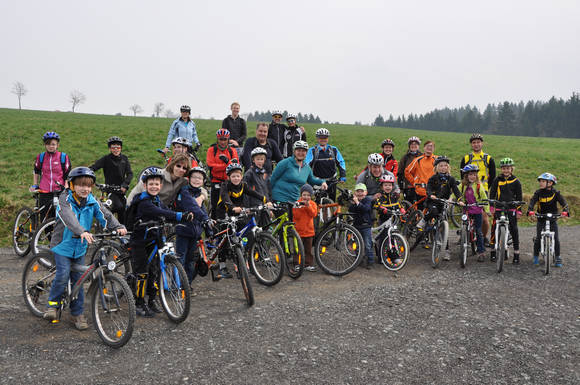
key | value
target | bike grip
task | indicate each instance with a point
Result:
(565, 214)
(530, 213)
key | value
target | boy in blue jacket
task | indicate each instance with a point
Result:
(362, 207)
(77, 208)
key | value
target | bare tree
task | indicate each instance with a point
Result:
(19, 90)
(169, 113)
(158, 108)
(76, 98)
(136, 109)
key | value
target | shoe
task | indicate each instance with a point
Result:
(536, 260)
(493, 256)
(297, 268)
(225, 273)
(558, 262)
(310, 268)
(481, 257)
(446, 256)
(516, 260)
(364, 262)
(51, 314)
(144, 311)
(369, 264)
(154, 306)
(486, 242)
(80, 322)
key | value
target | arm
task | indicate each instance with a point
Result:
(431, 188)
(276, 154)
(254, 194)
(99, 164)
(562, 201)
(67, 215)
(211, 160)
(410, 172)
(309, 156)
(491, 168)
(312, 180)
(534, 200)
(395, 168)
(107, 219)
(454, 188)
(147, 206)
(138, 189)
(171, 134)
(341, 164)
(189, 203)
(194, 138)
(67, 168)
(493, 189)
(482, 197)
(311, 209)
(243, 134)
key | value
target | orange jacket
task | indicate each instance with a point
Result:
(304, 219)
(216, 165)
(419, 171)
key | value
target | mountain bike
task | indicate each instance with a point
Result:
(467, 234)
(436, 233)
(111, 300)
(547, 239)
(413, 215)
(502, 230)
(390, 244)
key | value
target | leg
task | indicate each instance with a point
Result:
(513, 227)
(478, 219)
(554, 227)
(76, 306)
(539, 228)
(118, 203)
(485, 226)
(214, 197)
(190, 258)
(45, 200)
(63, 265)
(368, 240)
(492, 236)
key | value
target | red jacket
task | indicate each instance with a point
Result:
(304, 219)
(216, 166)
(391, 164)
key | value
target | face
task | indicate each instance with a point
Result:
(443, 168)
(376, 170)
(51, 145)
(179, 149)
(507, 170)
(235, 110)
(387, 187)
(83, 190)
(277, 118)
(223, 142)
(300, 154)
(153, 186)
(545, 183)
(305, 196)
(196, 179)
(235, 177)
(476, 145)
(259, 160)
(184, 115)
(360, 194)
(323, 140)
(262, 133)
(387, 149)
(414, 146)
(115, 149)
(472, 176)
(292, 122)
(179, 170)
(429, 148)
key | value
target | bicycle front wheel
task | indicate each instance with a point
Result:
(339, 249)
(547, 254)
(113, 310)
(439, 244)
(394, 254)
(42, 236)
(464, 247)
(295, 256)
(267, 259)
(244, 277)
(22, 231)
(502, 249)
(455, 213)
(37, 278)
(115, 252)
(174, 290)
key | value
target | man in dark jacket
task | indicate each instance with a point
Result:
(236, 125)
(276, 129)
(261, 140)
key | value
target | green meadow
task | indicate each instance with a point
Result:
(84, 139)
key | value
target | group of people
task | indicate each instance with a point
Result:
(242, 174)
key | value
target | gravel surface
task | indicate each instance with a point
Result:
(419, 326)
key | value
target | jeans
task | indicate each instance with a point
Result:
(61, 278)
(368, 241)
(478, 222)
(186, 248)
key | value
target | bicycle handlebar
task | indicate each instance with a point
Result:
(502, 204)
(108, 188)
(548, 216)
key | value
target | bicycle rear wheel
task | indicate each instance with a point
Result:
(174, 290)
(439, 243)
(547, 255)
(339, 249)
(22, 231)
(267, 259)
(295, 256)
(502, 248)
(244, 277)
(42, 237)
(113, 309)
(396, 249)
(464, 247)
(409, 227)
(37, 278)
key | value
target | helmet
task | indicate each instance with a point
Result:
(181, 140)
(233, 167)
(81, 171)
(197, 169)
(300, 144)
(151, 172)
(440, 159)
(114, 139)
(475, 136)
(376, 159)
(548, 176)
(276, 112)
(413, 139)
(258, 151)
(470, 168)
(291, 116)
(185, 108)
(50, 135)
(222, 133)
(506, 162)
(388, 142)
(321, 132)
(387, 178)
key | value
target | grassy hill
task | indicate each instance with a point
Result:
(84, 139)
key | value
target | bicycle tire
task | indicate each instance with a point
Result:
(23, 231)
(338, 251)
(37, 278)
(409, 228)
(244, 276)
(455, 213)
(473, 241)
(439, 243)
(547, 254)
(115, 252)
(464, 247)
(295, 257)
(399, 246)
(502, 249)
(42, 236)
(267, 259)
(174, 291)
(113, 310)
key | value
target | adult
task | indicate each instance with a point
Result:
(261, 140)
(182, 127)
(218, 157)
(408, 189)
(421, 169)
(293, 173)
(371, 176)
(326, 161)
(291, 134)
(276, 129)
(182, 146)
(173, 180)
(486, 172)
(236, 125)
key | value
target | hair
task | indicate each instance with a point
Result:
(428, 142)
(448, 166)
(235, 104)
(261, 124)
(153, 178)
(179, 158)
(83, 181)
(49, 140)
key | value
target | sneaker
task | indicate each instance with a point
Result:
(225, 273)
(446, 256)
(154, 305)
(536, 260)
(486, 242)
(144, 311)
(80, 322)
(558, 262)
(481, 257)
(516, 260)
(493, 256)
(51, 314)
(310, 268)
(297, 267)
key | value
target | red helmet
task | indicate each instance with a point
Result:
(222, 133)
(387, 178)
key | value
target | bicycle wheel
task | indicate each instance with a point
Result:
(295, 256)
(113, 309)
(547, 254)
(502, 249)
(464, 246)
(42, 236)
(243, 271)
(439, 243)
(267, 259)
(394, 254)
(409, 227)
(455, 213)
(37, 278)
(22, 231)
(174, 290)
(339, 249)
(114, 251)
(473, 241)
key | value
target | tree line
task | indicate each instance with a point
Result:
(554, 118)
(266, 116)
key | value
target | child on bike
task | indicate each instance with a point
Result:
(547, 198)
(472, 191)
(258, 179)
(77, 208)
(389, 199)
(218, 157)
(507, 188)
(117, 171)
(51, 169)
(146, 207)
(304, 220)
(363, 219)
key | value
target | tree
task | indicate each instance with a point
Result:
(19, 90)
(379, 121)
(169, 113)
(76, 98)
(136, 109)
(158, 108)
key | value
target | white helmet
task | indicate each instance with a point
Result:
(376, 159)
(291, 116)
(322, 132)
(414, 139)
(276, 112)
(181, 140)
(300, 144)
(258, 151)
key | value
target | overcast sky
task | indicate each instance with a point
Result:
(342, 60)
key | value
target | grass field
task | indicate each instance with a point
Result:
(84, 139)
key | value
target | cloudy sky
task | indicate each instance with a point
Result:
(342, 60)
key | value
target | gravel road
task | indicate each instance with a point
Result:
(420, 326)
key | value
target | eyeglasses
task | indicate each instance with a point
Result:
(181, 166)
(291, 120)
(277, 116)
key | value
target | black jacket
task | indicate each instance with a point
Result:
(363, 217)
(117, 170)
(441, 185)
(547, 201)
(272, 153)
(505, 189)
(276, 132)
(289, 136)
(235, 196)
(149, 208)
(254, 178)
(237, 128)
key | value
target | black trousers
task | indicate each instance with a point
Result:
(118, 203)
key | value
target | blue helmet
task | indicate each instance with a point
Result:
(548, 176)
(50, 135)
(81, 171)
(151, 172)
(469, 168)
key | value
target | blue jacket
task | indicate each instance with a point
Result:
(186, 202)
(150, 208)
(74, 218)
(288, 178)
(363, 217)
(179, 128)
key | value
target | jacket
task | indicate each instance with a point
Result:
(486, 166)
(74, 218)
(441, 185)
(276, 132)
(116, 169)
(363, 211)
(304, 218)
(237, 128)
(506, 189)
(185, 202)
(235, 196)
(216, 165)
(184, 129)
(472, 194)
(288, 178)
(403, 163)
(272, 153)
(150, 208)
(51, 171)
(168, 192)
(372, 182)
(259, 181)
(547, 201)
(419, 171)
(289, 136)
(385, 202)
(326, 161)
(391, 164)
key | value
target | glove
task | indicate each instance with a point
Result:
(385, 211)
(235, 160)
(492, 209)
(342, 179)
(530, 213)
(224, 159)
(565, 214)
(403, 211)
(188, 216)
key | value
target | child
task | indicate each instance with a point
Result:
(363, 220)
(391, 163)
(117, 171)
(258, 180)
(472, 191)
(218, 157)
(75, 213)
(507, 188)
(304, 221)
(147, 206)
(389, 200)
(182, 146)
(51, 169)
(547, 199)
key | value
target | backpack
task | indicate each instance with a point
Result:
(469, 158)
(130, 215)
(316, 154)
(62, 161)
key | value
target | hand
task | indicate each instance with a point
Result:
(342, 179)
(531, 214)
(376, 196)
(432, 196)
(385, 211)
(237, 210)
(121, 231)
(224, 158)
(33, 188)
(234, 142)
(165, 150)
(403, 211)
(461, 204)
(492, 210)
(189, 216)
(123, 190)
(269, 205)
(565, 214)
(235, 160)
(324, 186)
(86, 236)
(355, 200)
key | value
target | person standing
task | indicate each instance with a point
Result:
(261, 140)
(291, 134)
(236, 125)
(276, 129)
(413, 152)
(421, 169)
(182, 127)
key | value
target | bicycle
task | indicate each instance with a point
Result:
(111, 300)
(467, 235)
(413, 215)
(547, 240)
(502, 230)
(393, 249)
(437, 234)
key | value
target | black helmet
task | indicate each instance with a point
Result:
(81, 171)
(185, 108)
(114, 139)
(475, 136)
(151, 172)
(196, 169)
(441, 159)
